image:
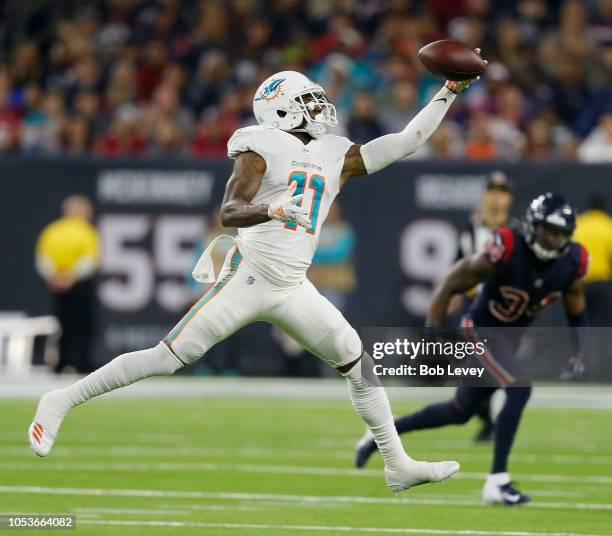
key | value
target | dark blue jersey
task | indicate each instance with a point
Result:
(523, 285)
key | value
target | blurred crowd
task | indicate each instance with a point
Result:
(176, 77)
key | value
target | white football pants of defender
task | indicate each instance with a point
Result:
(242, 296)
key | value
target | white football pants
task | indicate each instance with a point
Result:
(242, 295)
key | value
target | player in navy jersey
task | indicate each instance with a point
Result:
(522, 272)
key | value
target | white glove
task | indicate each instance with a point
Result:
(286, 208)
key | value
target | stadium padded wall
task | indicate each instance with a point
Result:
(151, 212)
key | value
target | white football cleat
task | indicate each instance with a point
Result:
(414, 473)
(498, 489)
(52, 408)
(41, 440)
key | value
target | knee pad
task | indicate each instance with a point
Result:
(348, 345)
(188, 347)
(338, 347)
(167, 361)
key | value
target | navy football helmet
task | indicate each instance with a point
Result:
(549, 224)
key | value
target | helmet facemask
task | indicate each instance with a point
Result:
(549, 241)
(311, 100)
(549, 225)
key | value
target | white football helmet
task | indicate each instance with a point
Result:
(285, 101)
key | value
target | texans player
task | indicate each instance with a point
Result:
(522, 272)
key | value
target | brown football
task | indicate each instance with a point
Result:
(451, 60)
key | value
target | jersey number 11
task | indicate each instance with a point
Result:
(317, 184)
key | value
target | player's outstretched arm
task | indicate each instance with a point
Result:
(381, 152)
(464, 275)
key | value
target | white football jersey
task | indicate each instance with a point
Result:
(284, 251)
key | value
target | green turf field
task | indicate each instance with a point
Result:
(284, 467)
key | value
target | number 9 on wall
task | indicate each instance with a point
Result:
(427, 249)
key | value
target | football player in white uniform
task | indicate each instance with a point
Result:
(287, 172)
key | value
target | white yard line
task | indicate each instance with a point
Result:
(313, 499)
(321, 528)
(167, 511)
(263, 453)
(162, 512)
(322, 442)
(574, 442)
(270, 469)
(33, 386)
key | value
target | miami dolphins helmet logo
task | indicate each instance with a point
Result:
(270, 92)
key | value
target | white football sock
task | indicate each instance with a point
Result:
(121, 371)
(372, 404)
(498, 479)
(124, 370)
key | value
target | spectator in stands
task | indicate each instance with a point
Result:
(547, 60)
(88, 107)
(76, 136)
(67, 258)
(401, 107)
(480, 143)
(10, 119)
(364, 124)
(167, 138)
(598, 146)
(165, 108)
(122, 86)
(125, 137)
(40, 127)
(539, 142)
(216, 127)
